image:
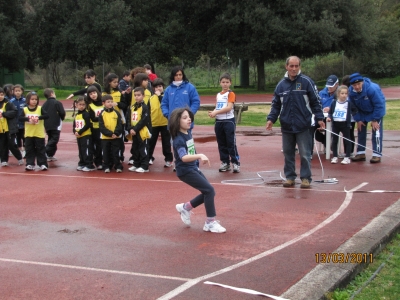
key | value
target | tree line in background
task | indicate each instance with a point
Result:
(46, 33)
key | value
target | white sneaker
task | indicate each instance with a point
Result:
(51, 158)
(224, 167)
(130, 162)
(79, 168)
(168, 164)
(107, 170)
(29, 168)
(119, 171)
(185, 215)
(141, 170)
(100, 167)
(20, 162)
(150, 161)
(345, 161)
(4, 164)
(86, 169)
(214, 227)
(43, 168)
(334, 160)
(236, 168)
(132, 169)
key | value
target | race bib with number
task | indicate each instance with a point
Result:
(190, 147)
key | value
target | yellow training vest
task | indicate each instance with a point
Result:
(34, 130)
(110, 122)
(80, 123)
(3, 121)
(97, 111)
(136, 115)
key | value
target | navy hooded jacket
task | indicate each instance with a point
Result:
(294, 102)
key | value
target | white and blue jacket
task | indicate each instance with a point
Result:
(370, 102)
(294, 102)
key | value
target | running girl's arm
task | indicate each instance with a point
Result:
(193, 157)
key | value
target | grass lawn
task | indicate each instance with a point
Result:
(386, 284)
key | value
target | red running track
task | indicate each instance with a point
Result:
(72, 235)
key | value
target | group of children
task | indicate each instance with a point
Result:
(104, 120)
(24, 124)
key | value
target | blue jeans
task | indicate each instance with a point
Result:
(197, 180)
(377, 144)
(304, 142)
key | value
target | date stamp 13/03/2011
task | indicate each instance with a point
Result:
(344, 258)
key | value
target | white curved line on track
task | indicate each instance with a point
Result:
(192, 282)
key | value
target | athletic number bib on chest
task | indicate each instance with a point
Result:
(79, 124)
(340, 113)
(190, 147)
(134, 117)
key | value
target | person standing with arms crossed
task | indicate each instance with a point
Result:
(295, 100)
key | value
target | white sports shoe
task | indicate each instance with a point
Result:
(4, 164)
(43, 168)
(334, 160)
(29, 168)
(168, 164)
(345, 161)
(107, 170)
(185, 215)
(130, 162)
(20, 162)
(119, 171)
(141, 170)
(214, 227)
(132, 169)
(150, 161)
(79, 168)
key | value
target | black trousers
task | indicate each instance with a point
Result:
(165, 142)
(97, 149)
(85, 148)
(338, 127)
(197, 180)
(140, 152)
(53, 138)
(111, 153)
(35, 149)
(8, 142)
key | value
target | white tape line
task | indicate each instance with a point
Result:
(247, 291)
(91, 269)
(192, 282)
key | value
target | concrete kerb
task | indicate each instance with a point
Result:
(372, 238)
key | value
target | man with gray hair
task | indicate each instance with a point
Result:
(295, 100)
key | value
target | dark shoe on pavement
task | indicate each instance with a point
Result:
(375, 159)
(288, 183)
(305, 184)
(358, 157)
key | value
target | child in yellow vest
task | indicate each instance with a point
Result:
(33, 116)
(95, 108)
(82, 130)
(111, 131)
(111, 88)
(138, 125)
(159, 125)
(8, 130)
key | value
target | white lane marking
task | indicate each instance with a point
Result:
(247, 291)
(91, 269)
(192, 282)
(40, 173)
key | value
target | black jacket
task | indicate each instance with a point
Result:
(56, 113)
(11, 115)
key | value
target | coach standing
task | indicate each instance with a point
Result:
(371, 104)
(295, 100)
